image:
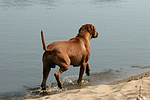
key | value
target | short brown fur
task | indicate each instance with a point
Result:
(74, 52)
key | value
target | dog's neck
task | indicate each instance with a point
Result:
(86, 35)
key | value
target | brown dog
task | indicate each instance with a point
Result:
(74, 52)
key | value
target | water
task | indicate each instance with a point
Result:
(124, 41)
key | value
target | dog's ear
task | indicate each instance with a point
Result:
(91, 29)
(86, 27)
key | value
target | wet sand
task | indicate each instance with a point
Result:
(133, 88)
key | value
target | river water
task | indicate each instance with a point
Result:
(121, 50)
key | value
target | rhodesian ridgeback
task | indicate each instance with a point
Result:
(74, 52)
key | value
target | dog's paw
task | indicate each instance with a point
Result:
(43, 88)
(60, 85)
(88, 73)
(79, 81)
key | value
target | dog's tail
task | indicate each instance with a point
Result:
(43, 41)
(44, 45)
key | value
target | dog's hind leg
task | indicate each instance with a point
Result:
(46, 70)
(88, 70)
(57, 76)
(64, 64)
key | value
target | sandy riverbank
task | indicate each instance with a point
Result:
(127, 89)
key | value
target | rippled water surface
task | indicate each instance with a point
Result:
(123, 42)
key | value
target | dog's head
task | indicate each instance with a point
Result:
(89, 28)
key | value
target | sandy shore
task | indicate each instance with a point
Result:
(127, 89)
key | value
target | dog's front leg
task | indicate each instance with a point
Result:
(88, 70)
(82, 68)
